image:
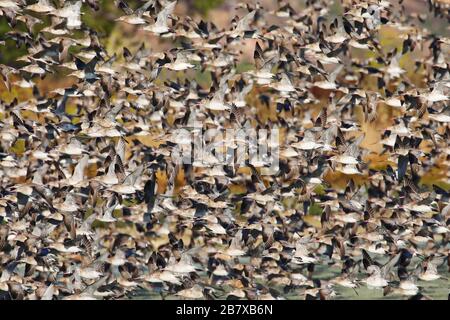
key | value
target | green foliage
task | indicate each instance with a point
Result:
(244, 67)
(203, 78)
(203, 6)
(315, 210)
(319, 190)
(101, 21)
(9, 52)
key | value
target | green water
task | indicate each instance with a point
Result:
(438, 289)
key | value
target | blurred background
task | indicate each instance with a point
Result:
(115, 35)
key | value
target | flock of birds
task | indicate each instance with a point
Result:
(94, 207)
